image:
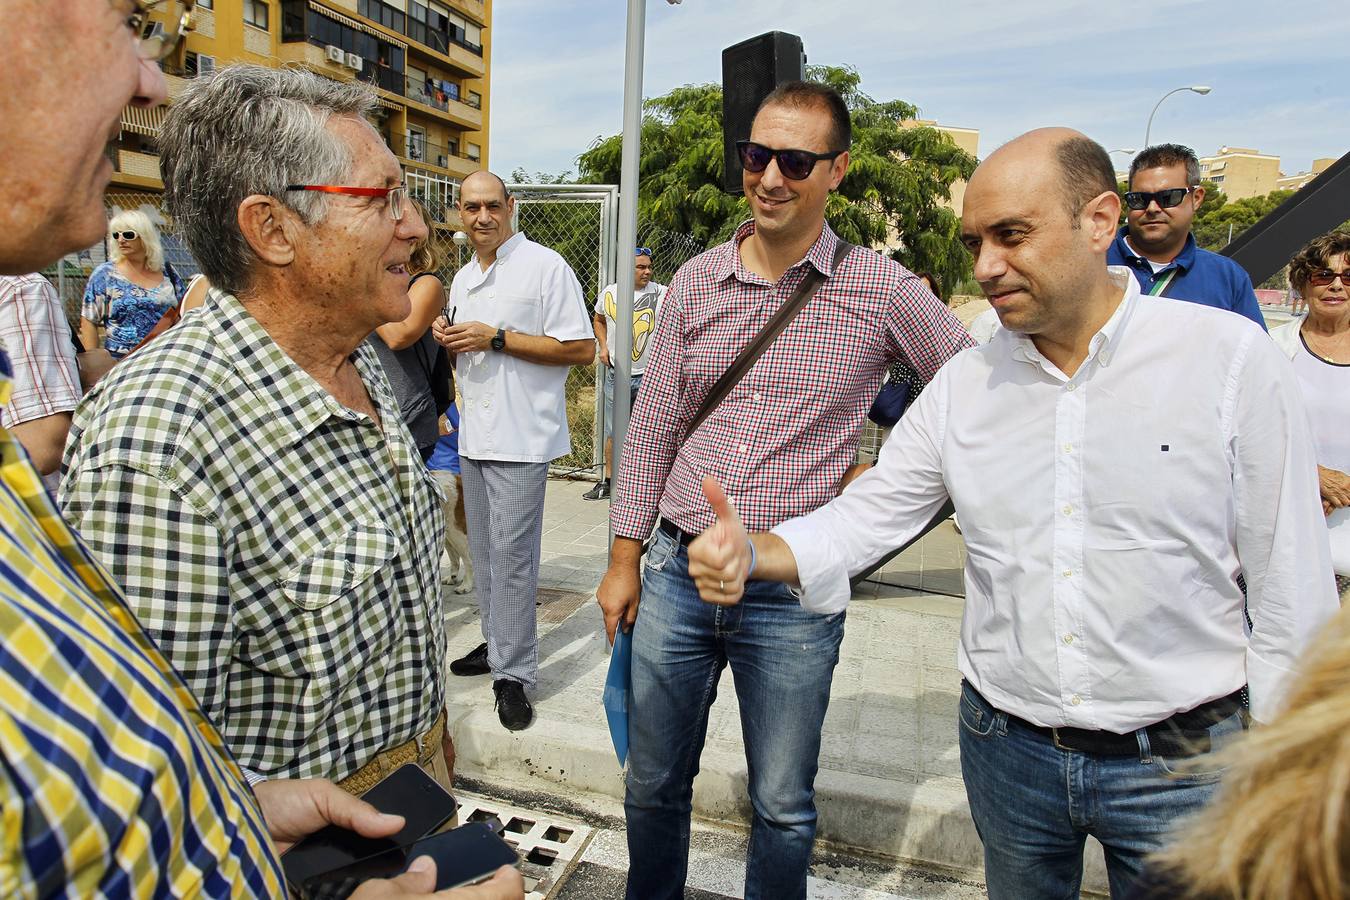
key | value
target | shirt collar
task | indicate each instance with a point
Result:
(1184, 260)
(1105, 344)
(509, 245)
(271, 373)
(821, 254)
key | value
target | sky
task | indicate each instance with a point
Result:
(1280, 72)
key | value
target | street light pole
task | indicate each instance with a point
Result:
(1200, 89)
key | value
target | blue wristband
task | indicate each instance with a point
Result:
(751, 570)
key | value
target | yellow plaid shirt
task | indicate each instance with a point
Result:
(113, 782)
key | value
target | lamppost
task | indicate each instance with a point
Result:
(1200, 89)
(461, 240)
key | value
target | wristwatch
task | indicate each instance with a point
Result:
(499, 342)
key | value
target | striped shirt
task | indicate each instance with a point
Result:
(781, 440)
(282, 549)
(114, 783)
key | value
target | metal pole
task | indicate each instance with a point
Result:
(628, 196)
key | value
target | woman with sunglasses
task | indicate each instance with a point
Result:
(1319, 346)
(127, 295)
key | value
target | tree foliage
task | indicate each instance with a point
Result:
(890, 198)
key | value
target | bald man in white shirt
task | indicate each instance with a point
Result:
(1113, 481)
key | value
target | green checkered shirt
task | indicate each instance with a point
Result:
(281, 549)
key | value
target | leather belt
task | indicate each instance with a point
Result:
(420, 750)
(683, 538)
(1179, 735)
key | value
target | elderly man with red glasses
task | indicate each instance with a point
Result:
(1156, 243)
(247, 477)
(783, 438)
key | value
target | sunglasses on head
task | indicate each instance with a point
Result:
(643, 251)
(1165, 199)
(124, 235)
(796, 165)
(1326, 277)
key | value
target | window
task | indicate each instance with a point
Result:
(195, 64)
(474, 99)
(473, 152)
(417, 143)
(255, 13)
(207, 4)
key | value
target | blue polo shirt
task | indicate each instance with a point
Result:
(1202, 277)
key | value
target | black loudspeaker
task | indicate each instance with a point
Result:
(1267, 246)
(750, 72)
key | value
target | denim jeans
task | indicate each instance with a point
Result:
(1034, 804)
(782, 659)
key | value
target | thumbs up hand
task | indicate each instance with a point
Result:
(719, 559)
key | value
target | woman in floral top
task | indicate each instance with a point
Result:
(130, 292)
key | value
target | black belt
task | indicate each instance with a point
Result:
(683, 538)
(1183, 734)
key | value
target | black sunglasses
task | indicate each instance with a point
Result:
(1165, 199)
(1326, 277)
(124, 235)
(796, 165)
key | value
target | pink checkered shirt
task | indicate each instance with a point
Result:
(781, 440)
(36, 334)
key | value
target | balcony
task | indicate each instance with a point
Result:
(133, 169)
(474, 9)
(315, 58)
(435, 46)
(426, 94)
(437, 160)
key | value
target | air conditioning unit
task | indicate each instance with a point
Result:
(205, 64)
(335, 54)
(355, 62)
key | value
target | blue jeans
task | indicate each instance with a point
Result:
(1034, 804)
(782, 659)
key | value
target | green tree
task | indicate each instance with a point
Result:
(1216, 225)
(890, 197)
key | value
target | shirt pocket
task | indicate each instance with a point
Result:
(345, 566)
(518, 312)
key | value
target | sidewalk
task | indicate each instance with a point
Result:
(890, 774)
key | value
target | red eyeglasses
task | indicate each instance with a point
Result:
(395, 195)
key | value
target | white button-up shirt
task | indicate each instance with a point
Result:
(1106, 517)
(515, 410)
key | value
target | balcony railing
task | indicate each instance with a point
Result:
(417, 149)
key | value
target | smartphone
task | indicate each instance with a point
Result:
(465, 855)
(407, 791)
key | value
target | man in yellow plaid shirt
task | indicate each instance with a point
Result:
(112, 781)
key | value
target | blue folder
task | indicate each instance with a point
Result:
(617, 684)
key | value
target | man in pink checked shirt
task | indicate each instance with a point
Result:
(781, 442)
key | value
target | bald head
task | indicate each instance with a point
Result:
(483, 180)
(1081, 172)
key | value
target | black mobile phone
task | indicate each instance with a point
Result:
(408, 792)
(465, 855)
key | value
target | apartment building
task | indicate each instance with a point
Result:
(1241, 172)
(429, 61)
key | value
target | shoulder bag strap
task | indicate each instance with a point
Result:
(755, 349)
(1161, 284)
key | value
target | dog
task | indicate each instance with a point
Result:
(460, 575)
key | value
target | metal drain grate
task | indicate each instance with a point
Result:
(554, 605)
(548, 845)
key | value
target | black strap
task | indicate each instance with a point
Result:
(774, 327)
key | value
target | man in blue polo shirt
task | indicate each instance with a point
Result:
(1156, 242)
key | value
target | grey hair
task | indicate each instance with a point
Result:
(248, 130)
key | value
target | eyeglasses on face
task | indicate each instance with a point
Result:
(397, 195)
(1326, 277)
(796, 165)
(127, 235)
(1165, 199)
(158, 36)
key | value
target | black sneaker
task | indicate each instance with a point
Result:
(513, 707)
(599, 492)
(473, 663)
